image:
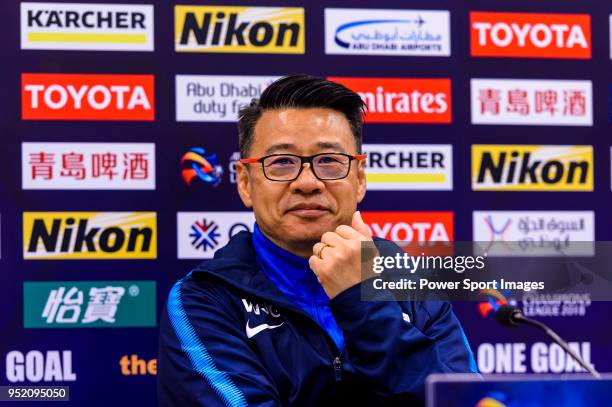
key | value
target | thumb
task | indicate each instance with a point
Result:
(359, 225)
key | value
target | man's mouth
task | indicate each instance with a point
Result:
(308, 210)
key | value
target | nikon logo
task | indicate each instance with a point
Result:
(239, 29)
(532, 168)
(89, 235)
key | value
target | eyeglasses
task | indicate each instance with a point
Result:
(288, 167)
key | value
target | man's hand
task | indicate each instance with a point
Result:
(339, 264)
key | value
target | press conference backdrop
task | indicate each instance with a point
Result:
(488, 120)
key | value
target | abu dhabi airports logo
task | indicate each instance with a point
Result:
(201, 233)
(198, 164)
(387, 32)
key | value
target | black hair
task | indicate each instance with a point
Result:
(301, 91)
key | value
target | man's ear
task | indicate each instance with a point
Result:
(361, 181)
(243, 183)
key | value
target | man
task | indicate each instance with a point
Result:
(276, 318)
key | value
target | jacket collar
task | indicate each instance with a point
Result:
(235, 264)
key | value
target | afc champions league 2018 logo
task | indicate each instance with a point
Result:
(197, 163)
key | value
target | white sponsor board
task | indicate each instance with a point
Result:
(35, 366)
(409, 167)
(387, 32)
(214, 98)
(200, 234)
(85, 26)
(51, 165)
(534, 233)
(532, 102)
(539, 357)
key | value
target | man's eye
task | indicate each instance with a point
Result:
(282, 161)
(328, 160)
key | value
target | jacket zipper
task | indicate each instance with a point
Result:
(336, 361)
(338, 368)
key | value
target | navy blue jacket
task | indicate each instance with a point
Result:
(229, 337)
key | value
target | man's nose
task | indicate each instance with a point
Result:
(306, 183)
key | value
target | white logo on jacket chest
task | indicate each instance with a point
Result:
(259, 309)
(252, 331)
(257, 325)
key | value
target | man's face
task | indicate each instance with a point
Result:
(294, 214)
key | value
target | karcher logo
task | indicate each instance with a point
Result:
(80, 26)
(532, 168)
(399, 167)
(239, 29)
(89, 235)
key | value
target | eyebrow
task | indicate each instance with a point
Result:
(288, 146)
(280, 146)
(330, 146)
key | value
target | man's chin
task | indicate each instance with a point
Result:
(308, 230)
